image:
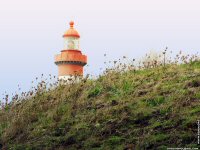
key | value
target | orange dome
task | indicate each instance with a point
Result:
(71, 31)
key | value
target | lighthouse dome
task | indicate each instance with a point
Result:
(71, 32)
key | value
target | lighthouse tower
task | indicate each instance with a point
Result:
(70, 61)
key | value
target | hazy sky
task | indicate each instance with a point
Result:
(31, 32)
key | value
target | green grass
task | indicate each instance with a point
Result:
(146, 109)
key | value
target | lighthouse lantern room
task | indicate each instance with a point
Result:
(71, 61)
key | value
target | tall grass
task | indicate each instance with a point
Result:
(131, 105)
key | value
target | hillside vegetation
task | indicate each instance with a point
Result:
(151, 108)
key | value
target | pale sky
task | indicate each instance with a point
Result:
(31, 33)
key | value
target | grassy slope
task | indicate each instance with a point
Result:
(146, 109)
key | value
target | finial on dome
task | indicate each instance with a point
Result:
(71, 32)
(71, 24)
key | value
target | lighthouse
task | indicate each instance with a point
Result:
(71, 61)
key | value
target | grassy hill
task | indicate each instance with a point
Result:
(152, 108)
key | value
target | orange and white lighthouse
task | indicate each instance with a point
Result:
(71, 61)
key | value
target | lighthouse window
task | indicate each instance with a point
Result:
(71, 43)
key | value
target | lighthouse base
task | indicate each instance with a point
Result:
(69, 79)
